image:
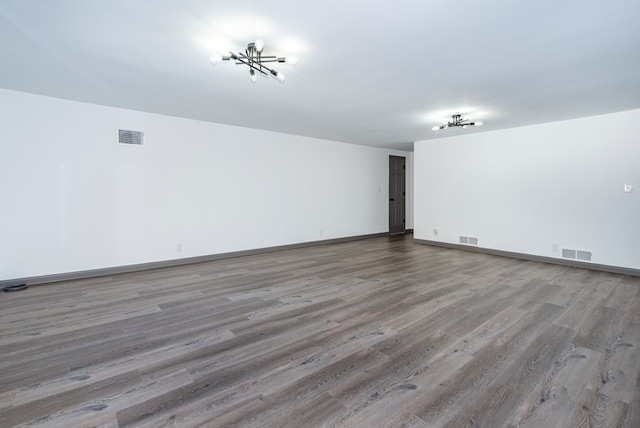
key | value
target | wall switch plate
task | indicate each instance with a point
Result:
(628, 188)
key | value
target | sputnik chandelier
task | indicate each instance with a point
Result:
(255, 60)
(457, 120)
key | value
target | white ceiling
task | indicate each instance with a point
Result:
(377, 73)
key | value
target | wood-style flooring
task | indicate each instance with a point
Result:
(373, 333)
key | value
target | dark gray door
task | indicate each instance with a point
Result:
(397, 168)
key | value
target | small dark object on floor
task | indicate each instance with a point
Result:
(15, 287)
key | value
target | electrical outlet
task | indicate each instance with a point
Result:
(435, 231)
(179, 248)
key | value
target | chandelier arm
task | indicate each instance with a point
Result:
(255, 61)
(259, 67)
(243, 60)
(270, 70)
(262, 59)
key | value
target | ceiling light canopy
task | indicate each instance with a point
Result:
(253, 58)
(457, 120)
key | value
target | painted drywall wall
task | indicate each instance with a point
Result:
(537, 189)
(73, 199)
(409, 191)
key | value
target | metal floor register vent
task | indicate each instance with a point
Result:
(135, 138)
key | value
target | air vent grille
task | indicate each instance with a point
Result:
(135, 138)
(583, 255)
(468, 240)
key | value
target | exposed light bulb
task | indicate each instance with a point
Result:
(226, 56)
(281, 77)
(215, 58)
(259, 45)
(435, 128)
(464, 126)
(252, 75)
(478, 123)
(290, 61)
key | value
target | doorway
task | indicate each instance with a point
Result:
(397, 192)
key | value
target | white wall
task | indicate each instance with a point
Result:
(73, 199)
(525, 189)
(409, 190)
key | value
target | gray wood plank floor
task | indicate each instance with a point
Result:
(374, 333)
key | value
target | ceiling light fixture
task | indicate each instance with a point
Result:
(457, 120)
(253, 58)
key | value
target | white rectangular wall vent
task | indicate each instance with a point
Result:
(468, 240)
(583, 255)
(135, 138)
